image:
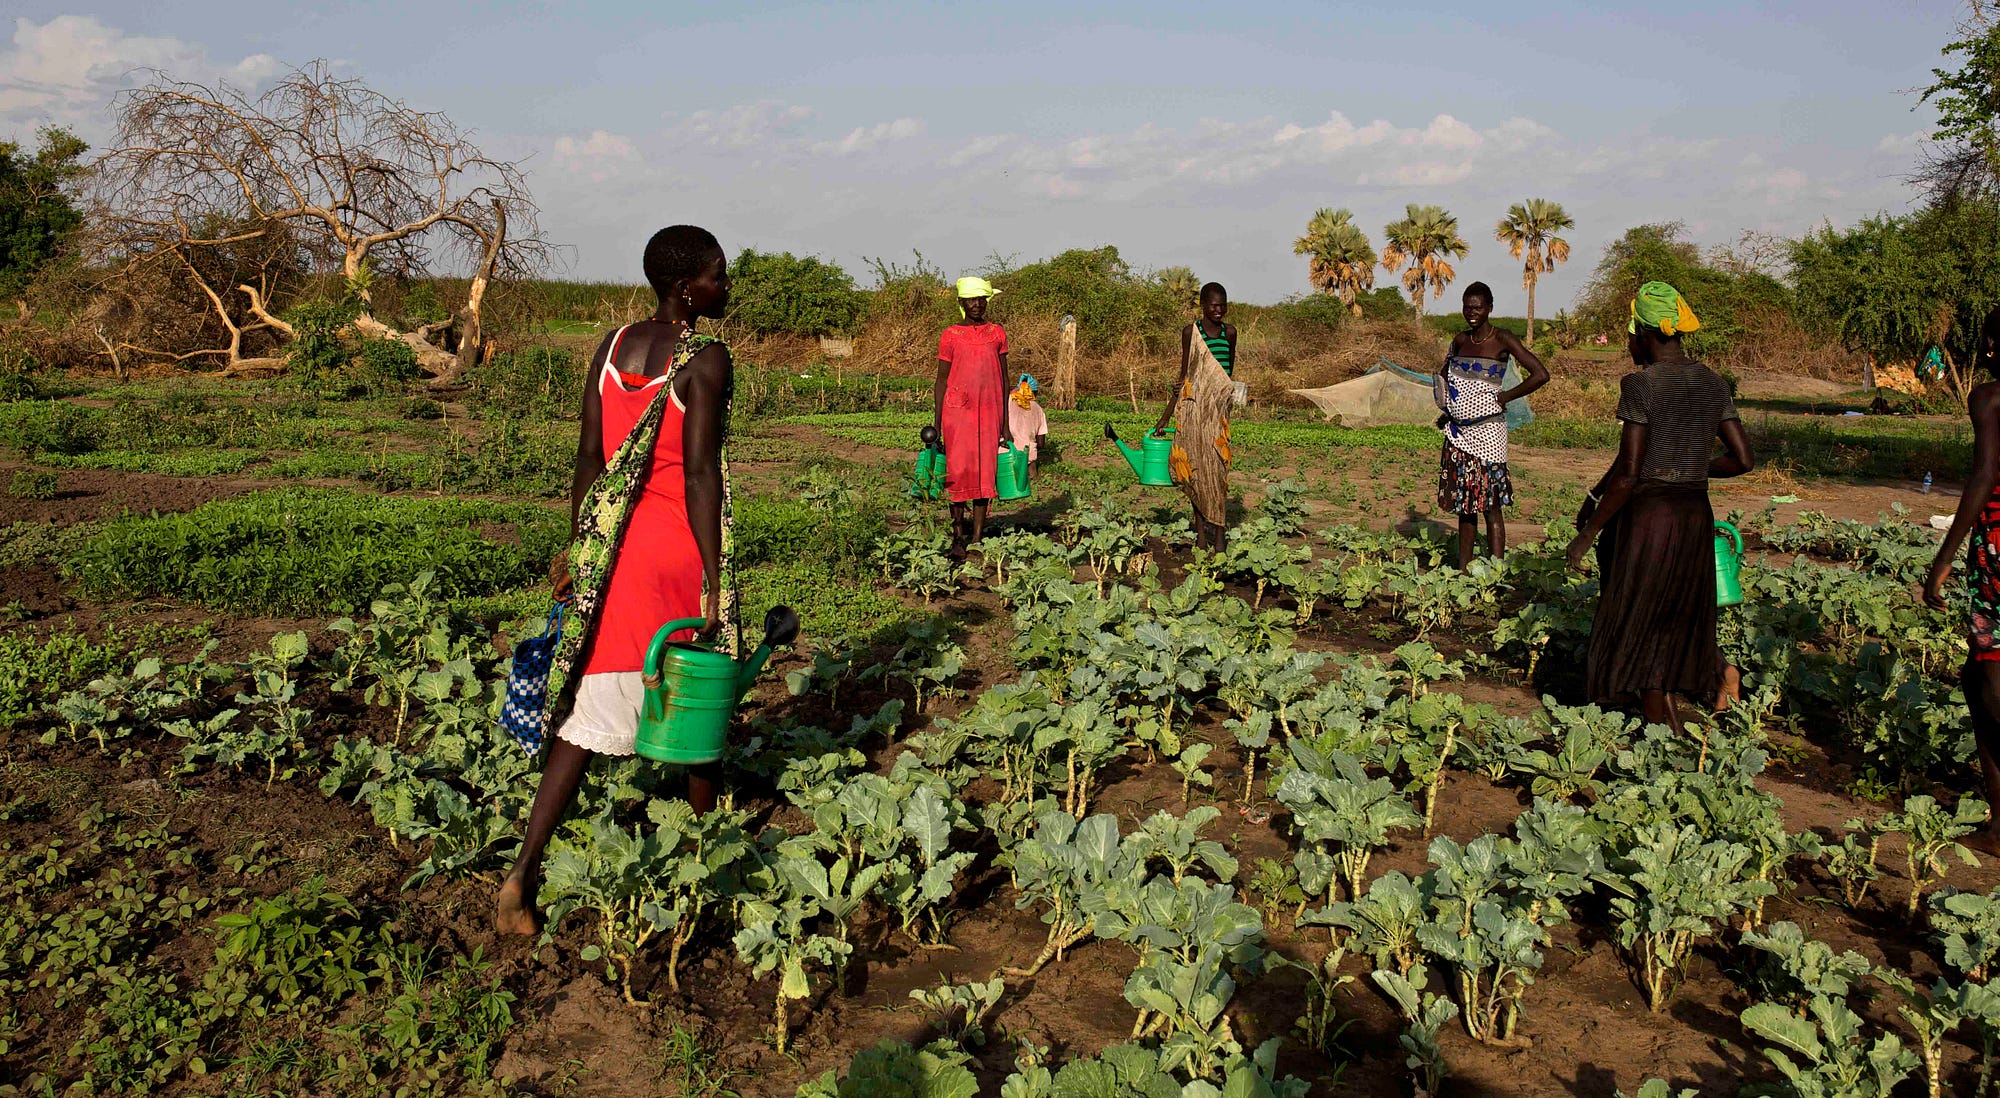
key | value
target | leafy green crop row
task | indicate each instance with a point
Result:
(304, 551)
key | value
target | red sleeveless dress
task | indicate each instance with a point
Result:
(657, 577)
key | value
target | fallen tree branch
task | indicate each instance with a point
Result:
(257, 310)
(431, 358)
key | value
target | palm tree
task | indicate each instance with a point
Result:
(1424, 239)
(1181, 286)
(1529, 231)
(1343, 262)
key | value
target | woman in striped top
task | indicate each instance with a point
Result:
(1471, 395)
(1202, 395)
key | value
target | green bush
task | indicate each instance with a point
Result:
(423, 408)
(17, 374)
(535, 382)
(325, 358)
(801, 295)
(1727, 301)
(33, 484)
(1315, 310)
(52, 427)
(385, 362)
(320, 356)
(1386, 303)
(518, 457)
(306, 551)
(1109, 300)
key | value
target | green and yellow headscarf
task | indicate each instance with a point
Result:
(970, 287)
(1661, 306)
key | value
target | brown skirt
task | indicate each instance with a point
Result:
(1655, 622)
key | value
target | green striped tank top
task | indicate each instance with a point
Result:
(1218, 345)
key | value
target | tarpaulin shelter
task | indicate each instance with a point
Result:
(1391, 394)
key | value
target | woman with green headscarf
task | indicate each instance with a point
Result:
(970, 411)
(1654, 632)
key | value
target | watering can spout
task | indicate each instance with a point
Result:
(781, 627)
(1131, 452)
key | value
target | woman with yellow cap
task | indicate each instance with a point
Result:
(970, 411)
(1654, 632)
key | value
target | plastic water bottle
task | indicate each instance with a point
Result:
(1927, 482)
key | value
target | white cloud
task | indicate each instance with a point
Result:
(63, 71)
(1335, 135)
(979, 148)
(596, 156)
(745, 126)
(863, 138)
(1446, 132)
(1902, 144)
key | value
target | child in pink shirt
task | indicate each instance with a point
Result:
(1026, 421)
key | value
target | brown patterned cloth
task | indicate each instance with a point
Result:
(1200, 458)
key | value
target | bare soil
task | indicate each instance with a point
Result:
(1588, 1030)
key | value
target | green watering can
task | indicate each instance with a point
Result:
(929, 481)
(1010, 473)
(1728, 562)
(692, 690)
(1149, 460)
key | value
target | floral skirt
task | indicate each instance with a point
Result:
(1469, 486)
(1982, 574)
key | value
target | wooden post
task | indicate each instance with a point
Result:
(1062, 393)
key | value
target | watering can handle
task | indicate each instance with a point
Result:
(1734, 537)
(658, 648)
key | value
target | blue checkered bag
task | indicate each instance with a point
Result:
(528, 684)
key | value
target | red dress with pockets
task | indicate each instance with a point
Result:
(974, 394)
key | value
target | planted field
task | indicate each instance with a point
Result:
(1091, 815)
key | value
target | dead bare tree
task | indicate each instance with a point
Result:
(363, 181)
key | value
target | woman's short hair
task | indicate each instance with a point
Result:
(1479, 289)
(677, 252)
(1213, 288)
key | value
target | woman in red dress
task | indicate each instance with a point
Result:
(649, 511)
(970, 402)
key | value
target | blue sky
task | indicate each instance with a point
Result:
(1197, 135)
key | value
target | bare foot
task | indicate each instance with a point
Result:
(1732, 688)
(1985, 841)
(514, 912)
